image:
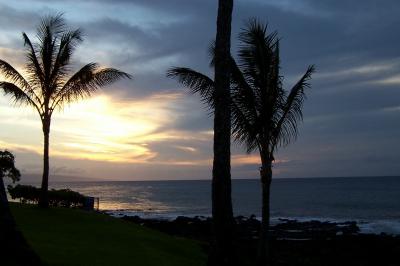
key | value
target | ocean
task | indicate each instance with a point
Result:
(374, 202)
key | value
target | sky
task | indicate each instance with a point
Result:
(152, 128)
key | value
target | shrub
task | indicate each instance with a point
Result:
(57, 198)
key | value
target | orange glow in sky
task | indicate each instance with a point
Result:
(99, 128)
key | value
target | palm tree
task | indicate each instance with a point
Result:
(222, 212)
(222, 253)
(264, 115)
(47, 86)
(15, 249)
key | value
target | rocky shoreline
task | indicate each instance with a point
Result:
(200, 228)
(293, 242)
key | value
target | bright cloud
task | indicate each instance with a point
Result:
(100, 128)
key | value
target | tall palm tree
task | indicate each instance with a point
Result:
(47, 86)
(264, 115)
(222, 212)
(14, 248)
(222, 253)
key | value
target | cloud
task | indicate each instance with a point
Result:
(393, 80)
(350, 114)
(14, 19)
(100, 128)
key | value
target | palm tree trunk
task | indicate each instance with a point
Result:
(44, 200)
(221, 180)
(266, 178)
(14, 248)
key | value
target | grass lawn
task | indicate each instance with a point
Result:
(74, 237)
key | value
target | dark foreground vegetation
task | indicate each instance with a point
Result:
(62, 236)
(57, 197)
(14, 249)
(293, 243)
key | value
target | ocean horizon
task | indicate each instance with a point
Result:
(374, 202)
(35, 179)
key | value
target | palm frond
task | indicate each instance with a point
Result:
(68, 42)
(107, 76)
(255, 52)
(242, 94)
(33, 67)
(11, 74)
(211, 54)
(286, 129)
(196, 82)
(274, 98)
(257, 63)
(53, 23)
(48, 33)
(243, 130)
(17, 94)
(86, 81)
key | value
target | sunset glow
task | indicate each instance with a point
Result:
(104, 129)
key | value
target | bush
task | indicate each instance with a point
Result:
(57, 198)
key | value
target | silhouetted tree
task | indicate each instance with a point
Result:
(264, 115)
(14, 248)
(47, 86)
(221, 253)
(221, 173)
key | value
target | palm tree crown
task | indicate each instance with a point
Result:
(47, 86)
(264, 115)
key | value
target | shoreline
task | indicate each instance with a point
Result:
(248, 227)
(378, 226)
